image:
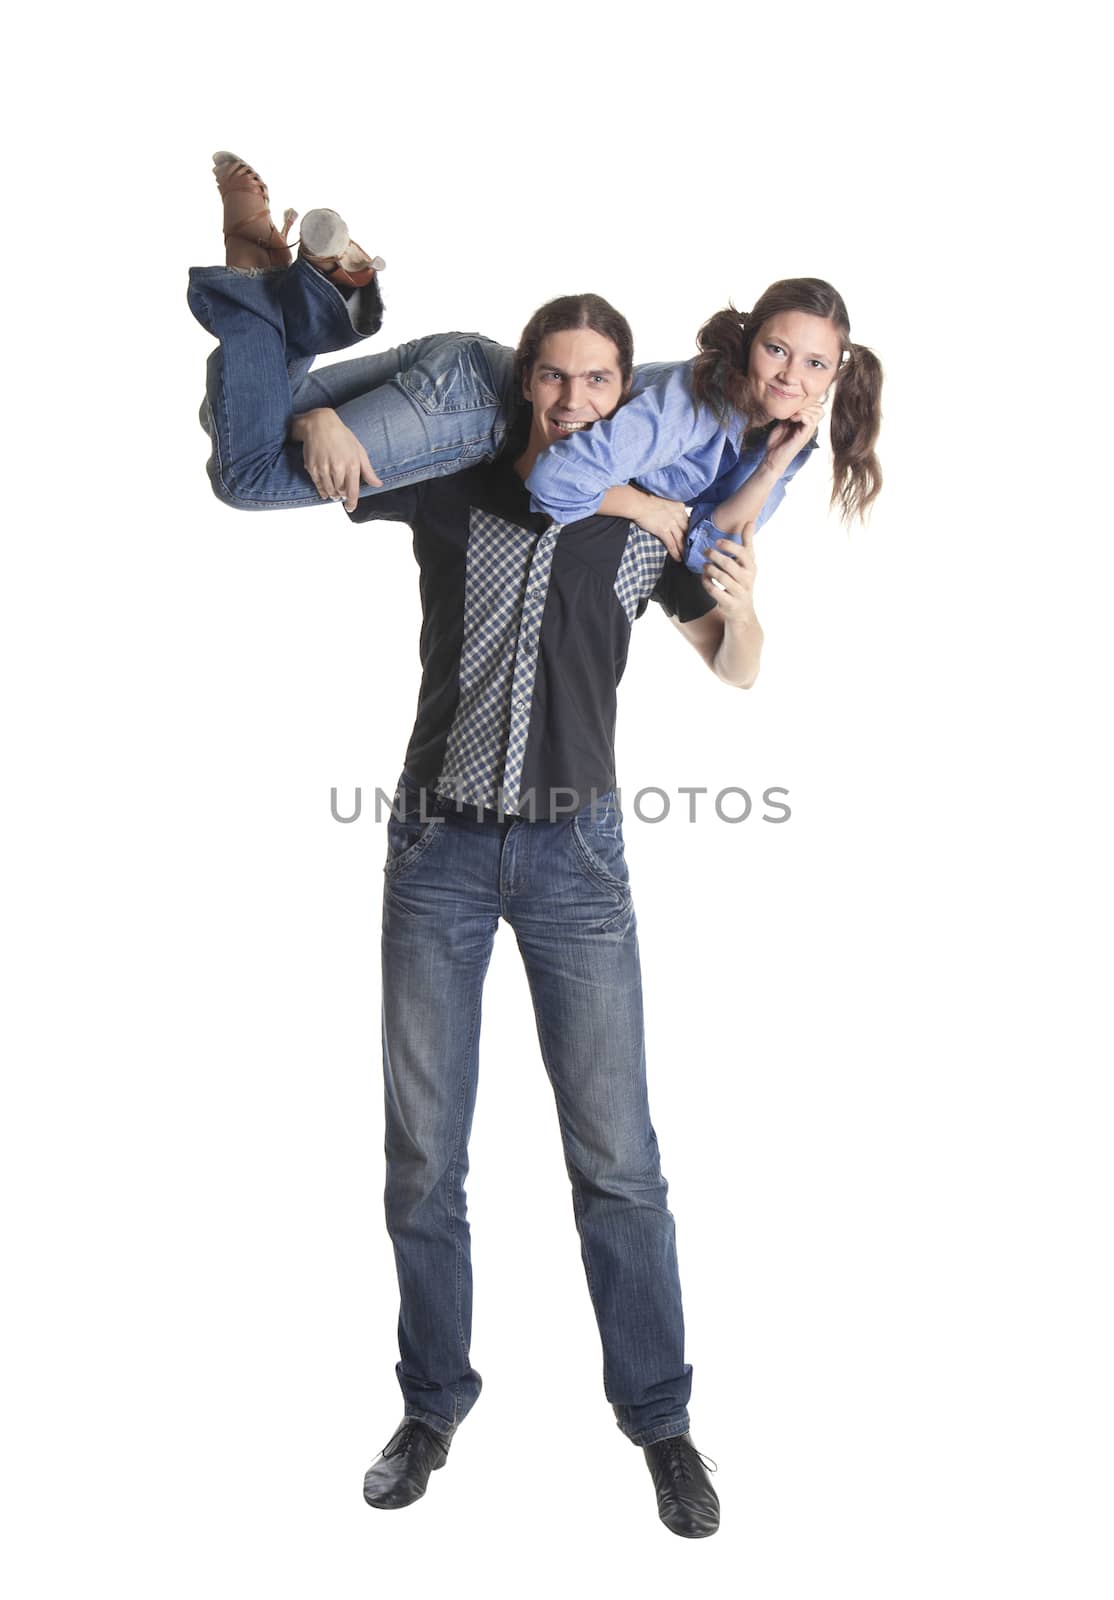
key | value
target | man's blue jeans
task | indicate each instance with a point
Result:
(563, 887)
(430, 407)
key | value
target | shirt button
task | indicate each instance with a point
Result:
(519, 705)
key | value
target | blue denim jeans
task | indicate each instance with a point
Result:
(564, 889)
(427, 408)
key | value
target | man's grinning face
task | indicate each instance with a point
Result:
(575, 381)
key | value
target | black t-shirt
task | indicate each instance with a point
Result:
(525, 630)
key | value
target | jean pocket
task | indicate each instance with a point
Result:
(452, 377)
(599, 845)
(408, 841)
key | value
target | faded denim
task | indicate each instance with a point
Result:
(563, 887)
(425, 409)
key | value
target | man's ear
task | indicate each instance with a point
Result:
(526, 376)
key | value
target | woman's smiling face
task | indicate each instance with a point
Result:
(794, 357)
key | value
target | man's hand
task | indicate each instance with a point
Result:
(667, 520)
(729, 575)
(789, 438)
(334, 457)
(729, 637)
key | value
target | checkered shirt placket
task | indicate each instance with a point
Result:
(506, 583)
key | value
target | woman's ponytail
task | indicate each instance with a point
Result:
(856, 420)
(719, 373)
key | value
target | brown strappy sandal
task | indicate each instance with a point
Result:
(250, 236)
(327, 245)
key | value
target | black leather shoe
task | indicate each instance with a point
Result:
(399, 1476)
(687, 1503)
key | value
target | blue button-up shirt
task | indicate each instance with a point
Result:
(670, 445)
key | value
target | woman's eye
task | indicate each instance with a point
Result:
(822, 365)
(775, 349)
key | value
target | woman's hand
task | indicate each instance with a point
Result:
(667, 520)
(788, 438)
(733, 568)
(334, 457)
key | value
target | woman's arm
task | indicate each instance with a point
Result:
(660, 428)
(784, 445)
(667, 520)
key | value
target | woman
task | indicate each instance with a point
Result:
(730, 427)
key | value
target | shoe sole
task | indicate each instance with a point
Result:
(324, 233)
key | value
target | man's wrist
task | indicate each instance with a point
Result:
(741, 624)
(302, 422)
(740, 652)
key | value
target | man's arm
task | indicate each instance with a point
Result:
(729, 638)
(733, 651)
(390, 505)
(334, 457)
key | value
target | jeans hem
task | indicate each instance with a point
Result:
(659, 1431)
(431, 1420)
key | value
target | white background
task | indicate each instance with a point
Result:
(874, 1031)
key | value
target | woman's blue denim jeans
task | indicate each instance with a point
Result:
(430, 407)
(563, 888)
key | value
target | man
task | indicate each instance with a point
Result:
(524, 638)
(506, 809)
